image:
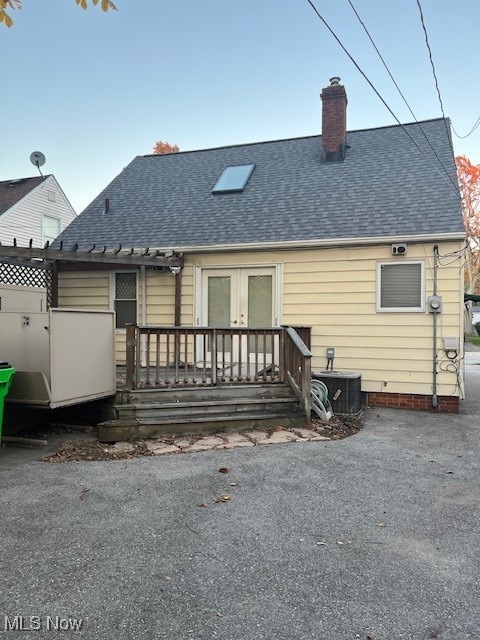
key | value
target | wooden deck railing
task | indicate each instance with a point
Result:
(298, 366)
(174, 356)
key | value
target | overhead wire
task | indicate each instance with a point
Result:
(401, 93)
(352, 59)
(472, 130)
(437, 86)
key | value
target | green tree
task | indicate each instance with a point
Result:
(7, 5)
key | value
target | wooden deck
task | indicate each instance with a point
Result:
(262, 379)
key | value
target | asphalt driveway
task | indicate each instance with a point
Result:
(375, 536)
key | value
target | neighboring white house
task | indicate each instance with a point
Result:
(33, 209)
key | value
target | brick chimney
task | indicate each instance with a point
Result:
(334, 121)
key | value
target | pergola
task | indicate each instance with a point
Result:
(36, 266)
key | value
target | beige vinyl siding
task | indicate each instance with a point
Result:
(83, 289)
(333, 291)
(24, 220)
(392, 350)
(160, 297)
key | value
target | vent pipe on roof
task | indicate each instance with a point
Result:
(334, 121)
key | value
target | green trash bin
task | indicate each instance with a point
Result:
(6, 373)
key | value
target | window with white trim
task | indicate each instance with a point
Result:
(50, 228)
(125, 298)
(400, 286)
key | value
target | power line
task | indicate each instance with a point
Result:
(472, 130)
(380, 96)
(401, 94)
(422, 20)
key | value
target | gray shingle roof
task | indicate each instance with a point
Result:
(384, 187)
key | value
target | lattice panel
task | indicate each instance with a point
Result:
(24, 276)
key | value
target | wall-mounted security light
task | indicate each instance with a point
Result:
(175, 270)
(399, 249)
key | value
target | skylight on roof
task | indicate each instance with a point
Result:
(234, 179)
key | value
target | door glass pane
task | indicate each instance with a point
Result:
(125, 286)
(260, 302)
(125, 312)
(125, 299)
(219, 300)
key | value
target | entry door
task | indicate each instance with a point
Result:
(242, 297)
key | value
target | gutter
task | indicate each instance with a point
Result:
(315, 244)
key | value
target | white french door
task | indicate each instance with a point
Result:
(239, 298)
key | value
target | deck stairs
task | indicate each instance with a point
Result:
(185, 410)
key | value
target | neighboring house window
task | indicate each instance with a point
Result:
(400, 286)
(51, 195)
(125, 298)
(50, 228)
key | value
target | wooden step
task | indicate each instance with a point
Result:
(198, 394)
(115, 430)
(181, 409)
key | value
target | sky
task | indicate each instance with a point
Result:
(92, 90)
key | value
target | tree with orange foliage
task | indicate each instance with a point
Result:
(469, 181)
(7, 5)
(162, 148)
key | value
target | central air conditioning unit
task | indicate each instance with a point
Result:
(344, 390)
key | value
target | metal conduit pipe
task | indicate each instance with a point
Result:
(434, 315)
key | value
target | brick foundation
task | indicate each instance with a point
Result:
(446, 404)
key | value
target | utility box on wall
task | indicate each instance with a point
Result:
(344, 390)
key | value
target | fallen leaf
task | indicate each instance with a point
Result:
(167, 578)
(381, 524)
(223, 497)
(321, 543)
(447, 471)
(219, 615)
(202, 504)
(223, 470)
(233, 484)
(340, 543)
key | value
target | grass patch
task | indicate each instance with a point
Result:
(473, 340)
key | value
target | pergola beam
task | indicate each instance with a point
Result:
(101, 256)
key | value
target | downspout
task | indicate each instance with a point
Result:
(434, 315)
(144, 311)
